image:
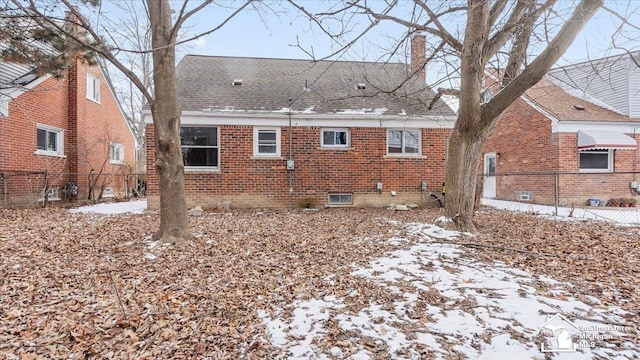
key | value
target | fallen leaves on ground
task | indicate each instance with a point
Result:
(91, 286)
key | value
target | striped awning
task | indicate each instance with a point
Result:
(604, 140)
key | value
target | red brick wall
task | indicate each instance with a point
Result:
(526, 153)
(578, 188)
(247, 182)
(529, 155)
(99, 124)
(86, 142)
(45, 104)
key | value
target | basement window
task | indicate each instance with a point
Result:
(52, 194)
(340, 199)
(108, 192)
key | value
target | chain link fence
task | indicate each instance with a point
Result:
(602, 190)
(22, 189)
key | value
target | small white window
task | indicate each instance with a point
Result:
(49, 140)
(53, 194)
(335, 137)
(340, 199)
(93, 88)
(116, 153)
(108, 192)
(403, 142)
(266, 142)
(596, 160)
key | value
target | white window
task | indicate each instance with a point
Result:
(266, 142)
(116, 153)
(340, 199)
(93, 88)
(334, 137)
(49, 140)
(596, 160)
(405, 142)
(108, 192)
(200, 147)
(52, 194)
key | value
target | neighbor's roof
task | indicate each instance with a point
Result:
(567, 103)
(206, 83)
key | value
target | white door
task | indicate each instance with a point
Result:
(489, 186)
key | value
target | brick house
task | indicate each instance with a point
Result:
(71, 128)
(262, 132)
(571, 138)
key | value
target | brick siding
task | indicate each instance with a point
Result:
(529, 155)
(245, 182)
(88, 127)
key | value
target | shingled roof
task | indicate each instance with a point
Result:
(320, 87)
(566, 103)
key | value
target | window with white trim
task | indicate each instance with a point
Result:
(93, 88)
(340, 199)
(403, 142)
(116, 153)
(266, 142)
(108, 192)
(52, 194)
(334, 137)
(596, 160)
(200, 147)
(49, 140)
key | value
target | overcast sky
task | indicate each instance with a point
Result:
(276, 34)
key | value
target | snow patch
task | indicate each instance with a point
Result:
(116, 208)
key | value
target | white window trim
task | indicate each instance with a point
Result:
(340, 146)
(609, 168)
(256, 154)
(59, 140)
(403, 154)
(4, 105)
(108, 192)
(54, 194)
(93, 80)
(116, 161)
(205, 169)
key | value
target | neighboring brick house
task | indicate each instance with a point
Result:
(570, 138)
(262, 132)
(72, 128)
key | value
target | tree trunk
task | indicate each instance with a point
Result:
(174, 225)
(462, 170)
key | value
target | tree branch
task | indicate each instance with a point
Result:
(541, 64)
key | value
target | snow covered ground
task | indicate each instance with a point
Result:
(115, 208)
(622, 216)
(443, 302)
(450, 304)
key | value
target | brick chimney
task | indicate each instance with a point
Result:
(419, 55)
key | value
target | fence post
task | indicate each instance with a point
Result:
(45, 191)
(5, 188)
(126, 186)
(556, 190)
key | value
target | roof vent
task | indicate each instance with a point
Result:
(237, 82)
(361, 86)
(578, 107)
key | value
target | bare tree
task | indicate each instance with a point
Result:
(513, 42)
(77, 32)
